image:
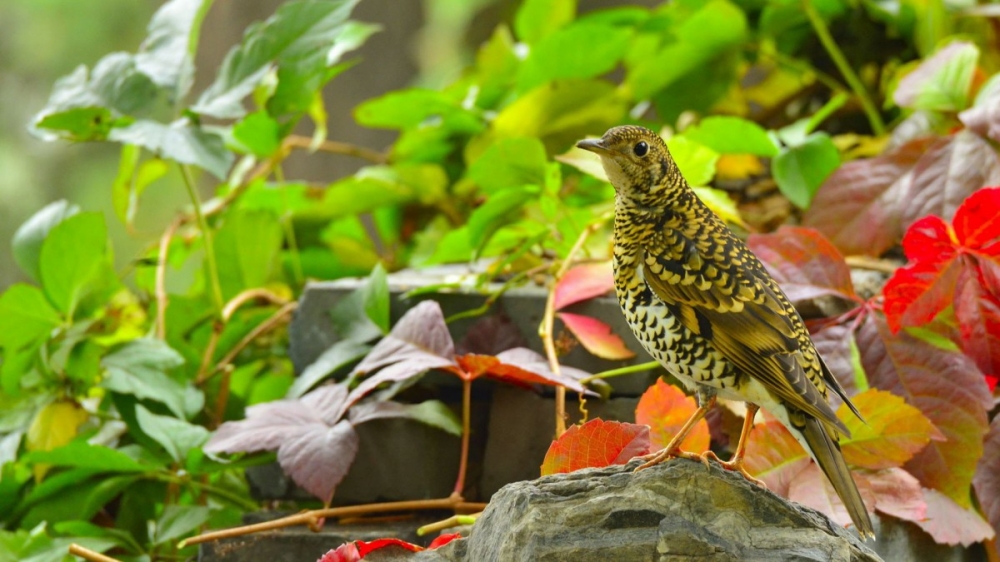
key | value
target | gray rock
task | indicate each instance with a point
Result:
(677, 511)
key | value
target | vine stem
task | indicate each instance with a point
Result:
(823, 32)
(545, 330)
(206, 234)
(466, 429)
(312, 517)
(621, 371)
(162, 301)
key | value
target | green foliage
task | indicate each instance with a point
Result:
(112, 379)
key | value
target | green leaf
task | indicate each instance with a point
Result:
(139, 369)
(71, 258)
(373, 187)
(247, 247)
(538, 18)
(335, 357)
(176, 436)
(696, 161)
(179, 141)
(257, 134)
(578, 51)
(25, 317)
(800, 170)
(435, 414)
(732, 135)
(37, 546)
(132, 182)
(942, 82)
(363, 314)
(179, 520)
(299, 38)
(716, 28)
(510, 163)
(497, 211)
(405, 109)
(83, 106)
(80, 454)
(27, 243)
(81, 501)
(167, 54)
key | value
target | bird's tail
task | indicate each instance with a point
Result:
(827, 453)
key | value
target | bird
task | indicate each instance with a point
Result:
(704, 306)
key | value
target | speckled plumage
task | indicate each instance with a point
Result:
(702, 304)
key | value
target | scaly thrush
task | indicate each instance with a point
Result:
(702, 304)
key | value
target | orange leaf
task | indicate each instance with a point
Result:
(596, 336)
(665, 408)
(584, 282)
(774, 456)
(893, 431)
(594, 444)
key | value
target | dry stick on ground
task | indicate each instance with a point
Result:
(313, 517)
(548, 319)
(87, 554)
(873, 264)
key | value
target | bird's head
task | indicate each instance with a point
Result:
(638, 165)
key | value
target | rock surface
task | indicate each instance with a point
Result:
(674, 512)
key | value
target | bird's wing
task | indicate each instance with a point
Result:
(734, 304)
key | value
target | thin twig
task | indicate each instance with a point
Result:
(865, 262)
(823, 33)
(259, 329)
(335, 147)
(206, 357)
(466, 429)
(161, 277)
(310, 517)
(638, 368)
(548, 319)
(87, 554)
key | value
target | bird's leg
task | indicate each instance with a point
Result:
(736, 463)
(673, 449)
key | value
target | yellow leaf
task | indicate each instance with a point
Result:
(54, 426)
(738, 166)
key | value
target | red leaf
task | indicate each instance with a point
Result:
(594, 444)
(347, 552)
(584, 282)
(365, 547)
(893, 431)
(930, 239)
(774, 456)
(949, 523)
(978, 314)
(946, 386)
(811, 488)
(665, 408)
(520, 366)
(804, 263)
(952, 169)
(987, 479)
(915, 294)
(859, 207)
(897, 493)
(444, 539)
(596, 336)
(977, 221)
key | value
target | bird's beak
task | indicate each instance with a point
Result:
(593, 145)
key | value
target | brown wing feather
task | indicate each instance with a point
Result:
(749, 327)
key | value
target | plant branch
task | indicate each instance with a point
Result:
(545, 330)
(312, 517)
(638, 368)
(235, 499)
(453, 521)
(206, 235)
(334, 147)
(873, 264)
(87, 554)
(259, 329)
(248, 295)
(161, 277)
(823, 33)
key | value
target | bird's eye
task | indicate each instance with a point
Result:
(640, 148)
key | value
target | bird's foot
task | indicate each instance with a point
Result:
(736, 464)
(664, 455)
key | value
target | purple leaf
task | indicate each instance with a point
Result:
(491, 335)
(984, 116)
(266, 427)
(319, 457)
(834, 345)
(329, 401)
(524, 358)
(413, 365)
(987, 479)
(804, 263)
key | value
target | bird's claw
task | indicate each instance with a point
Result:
(736, 464)
(664, 455)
